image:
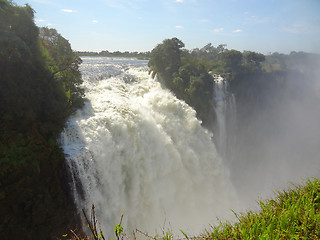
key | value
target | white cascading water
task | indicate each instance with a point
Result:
(135, 148)
(225, 109)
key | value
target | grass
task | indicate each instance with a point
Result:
(291, 214)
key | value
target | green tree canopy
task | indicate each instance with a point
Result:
(232, 59)
(253, 60)
(165, 58)
(64, 64)
(186, 75)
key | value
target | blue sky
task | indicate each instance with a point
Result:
(139, 25)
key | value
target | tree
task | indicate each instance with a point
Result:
(165, 59)
(33, 108)
(64, 64)
(186, 75)
(221, 48)
(232, 60)
(253, 61)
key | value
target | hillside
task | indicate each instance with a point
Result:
(39, 89)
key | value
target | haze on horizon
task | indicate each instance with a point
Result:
(264, 26)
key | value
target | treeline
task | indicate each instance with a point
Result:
(186, 72)
(187, 76)
(249, 74)
(126, 54)
(39, 89)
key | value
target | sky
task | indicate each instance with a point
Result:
(264, 26)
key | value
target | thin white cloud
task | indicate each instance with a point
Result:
(257, 20)
(179, 1)
(204, 20)
(218, 30)
(124, 4)
(302, 28)
(95, 21)
(68, 10)
(43, 2)
(116, 4)
(237, 31)
(292, 29)
(40, 20)
(179, 27)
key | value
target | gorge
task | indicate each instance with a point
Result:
(135, 148)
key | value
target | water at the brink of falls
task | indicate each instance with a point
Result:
(134, 148)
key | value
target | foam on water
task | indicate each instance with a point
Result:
(135, 148)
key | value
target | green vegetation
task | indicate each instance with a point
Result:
(64, 65)
(187, 76)
(186, 73)
(292, 214)
(39, 89)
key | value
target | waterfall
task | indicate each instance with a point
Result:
(135, 148)
(225, 109)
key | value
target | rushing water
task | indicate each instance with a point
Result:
(225, 110)
(135, 148)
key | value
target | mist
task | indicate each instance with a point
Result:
(278, 137)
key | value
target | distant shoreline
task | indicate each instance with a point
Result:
(117, 54)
